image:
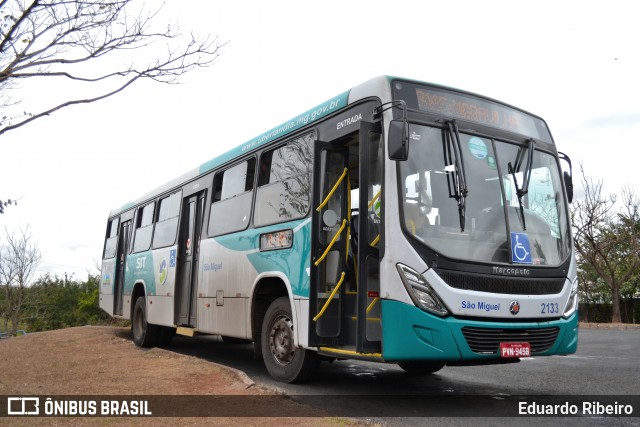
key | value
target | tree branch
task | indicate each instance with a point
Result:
(51, 37)
(67, 104)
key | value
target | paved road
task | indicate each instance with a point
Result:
(607, 363)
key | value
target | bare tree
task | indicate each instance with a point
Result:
(8, 202)
(64, 43)
(19, 259)
(606, 238)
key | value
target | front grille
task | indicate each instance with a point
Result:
(503, 285)
(487, 340)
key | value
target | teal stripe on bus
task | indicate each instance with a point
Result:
(410, 333)
(334, 104)
(140, 271)
(293, 262)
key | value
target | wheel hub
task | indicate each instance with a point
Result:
(281, 340)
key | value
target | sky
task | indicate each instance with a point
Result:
(574, 63)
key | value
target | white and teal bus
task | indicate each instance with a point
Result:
(398, 222)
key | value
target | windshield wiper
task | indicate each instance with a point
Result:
(460, 190)
(521, 191)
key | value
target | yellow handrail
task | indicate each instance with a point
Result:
(326, 251)
(346, 252)
(333, 190)
(333, 293)
(375, 241)
(370, 307)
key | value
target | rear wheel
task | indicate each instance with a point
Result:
(421, 368)
(284, 361)
(144, 334)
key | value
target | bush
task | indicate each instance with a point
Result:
(56, 302)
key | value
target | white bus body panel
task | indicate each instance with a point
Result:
(301, 313)
(224, 316)
(107, 283)
(160, 310)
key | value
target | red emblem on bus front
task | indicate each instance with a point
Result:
(514, 308)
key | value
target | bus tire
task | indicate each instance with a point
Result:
(144, 334)
(284, 361)
(421, 368)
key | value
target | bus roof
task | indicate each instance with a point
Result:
(377, 85)
(322, 110)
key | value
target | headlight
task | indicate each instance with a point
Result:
(572, 304)
(420, 292)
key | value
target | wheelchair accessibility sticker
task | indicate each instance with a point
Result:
(520, 249)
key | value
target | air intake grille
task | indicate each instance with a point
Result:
(487, 341)
(503, 285)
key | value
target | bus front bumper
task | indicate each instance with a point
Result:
(409, 333)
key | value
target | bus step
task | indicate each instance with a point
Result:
(369, 319)
(349, 354)
(187, 332)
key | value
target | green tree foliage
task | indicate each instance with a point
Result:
(61, 302)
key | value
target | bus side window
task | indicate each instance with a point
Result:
(284, 182)
(231, 203)
(167, 221)
(144, 228)
(111, 241)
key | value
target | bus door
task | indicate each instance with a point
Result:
(345, 278)
(329, 249)
(368, 238)
(188, 247)
(121, 260)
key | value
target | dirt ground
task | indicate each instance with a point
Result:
(104, 361)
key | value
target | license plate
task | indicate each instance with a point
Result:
(515, 349)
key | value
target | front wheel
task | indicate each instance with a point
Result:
(144, 334)
(421, 368)
(284, 361)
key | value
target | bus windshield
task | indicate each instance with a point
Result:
(490, 223)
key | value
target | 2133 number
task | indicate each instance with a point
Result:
(549, 308)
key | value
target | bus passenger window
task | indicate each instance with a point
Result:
(144, 228)
(111, 242)
(113, 227)
(284, 182)
(231, 202)
(167, 222)
(147, 215)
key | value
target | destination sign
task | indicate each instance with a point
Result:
(459, 105)
(476, 110)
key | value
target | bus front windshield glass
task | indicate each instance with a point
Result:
(472, 225)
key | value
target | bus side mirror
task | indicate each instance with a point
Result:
(568, 179)
(399, 140)
(568, 184)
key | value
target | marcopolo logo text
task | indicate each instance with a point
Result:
(511, 271)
